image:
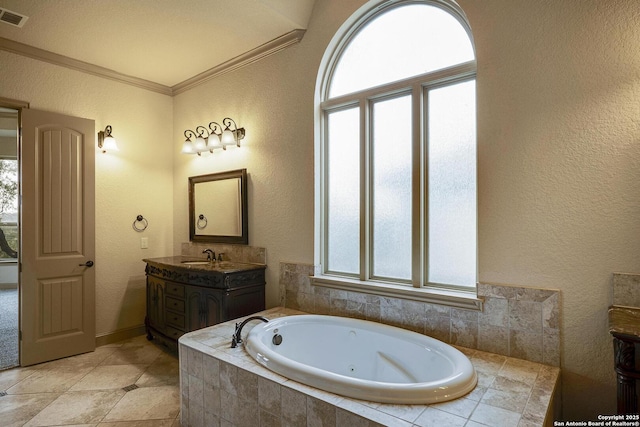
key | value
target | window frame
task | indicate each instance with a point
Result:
(5, 260)
(417, 87)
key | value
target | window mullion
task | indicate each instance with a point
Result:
(324, 171)
(417, 180)
(365, 188)
(424, 181)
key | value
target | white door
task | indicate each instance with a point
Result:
(57, 278)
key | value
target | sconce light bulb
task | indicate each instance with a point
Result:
(227, 137)
(213, 141)
(109, 144)
(200, 144)
(187, 147)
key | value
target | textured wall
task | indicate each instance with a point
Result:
(135, 180)
(558, 134)
(558, 130)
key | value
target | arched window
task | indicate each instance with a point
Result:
(396, 149)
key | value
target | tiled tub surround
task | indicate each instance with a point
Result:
(626, 289)
(237, 253)
(224, 386)
(515, 321)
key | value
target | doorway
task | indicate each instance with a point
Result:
(9, 239)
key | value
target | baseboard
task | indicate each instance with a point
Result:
(8, 286)
(119, 335)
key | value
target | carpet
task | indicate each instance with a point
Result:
(8, 328)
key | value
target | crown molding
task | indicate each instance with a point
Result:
(246, 58)
(74, 64)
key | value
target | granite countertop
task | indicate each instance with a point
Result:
(624, 320)
(201, 264)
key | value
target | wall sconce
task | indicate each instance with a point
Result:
(212, 137)
(106, 141)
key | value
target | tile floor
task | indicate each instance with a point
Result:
(93, 389)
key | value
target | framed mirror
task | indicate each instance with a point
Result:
(218, 208)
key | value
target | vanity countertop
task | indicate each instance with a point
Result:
(624, 320)
(201, 264)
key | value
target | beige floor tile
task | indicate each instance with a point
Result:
(109, 377)
(16, 410)
(79, 407)
(133, 354)
(86, 360)
(56, 380)
(165, 370)
(11, 377)
(147, 403)
(137, 341)
(147, 423)
(86, 390)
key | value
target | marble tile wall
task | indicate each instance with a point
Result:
(238, 253)
(626, 289)
(515, 321)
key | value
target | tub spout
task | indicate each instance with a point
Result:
(237, 338)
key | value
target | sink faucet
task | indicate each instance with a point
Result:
(211, 256)
(237, 338)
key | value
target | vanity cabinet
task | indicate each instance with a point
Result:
(155, 304)
(205, 308)
(183, 298)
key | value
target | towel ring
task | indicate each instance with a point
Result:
(144, 222)
(201, 220)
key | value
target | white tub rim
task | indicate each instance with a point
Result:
(433, 391)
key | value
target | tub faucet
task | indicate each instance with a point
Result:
(237, 338)
(211, 256)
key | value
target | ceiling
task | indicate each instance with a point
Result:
(162, 41)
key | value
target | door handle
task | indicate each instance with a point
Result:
(87, 264)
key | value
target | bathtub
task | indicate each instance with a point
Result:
(361, 359)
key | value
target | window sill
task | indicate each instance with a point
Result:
(453, 298)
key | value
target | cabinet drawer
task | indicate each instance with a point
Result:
(174, 333)
(176, 320)
(175, 305)
(175, 290)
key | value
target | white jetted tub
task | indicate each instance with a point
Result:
(362, 359)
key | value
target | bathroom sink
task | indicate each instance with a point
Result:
(223, 266)
(195, 262)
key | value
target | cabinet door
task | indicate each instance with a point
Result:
(243, 301)
(155, 303)
(212, 305)
(203, 307)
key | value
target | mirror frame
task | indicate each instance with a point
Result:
(243, 239)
